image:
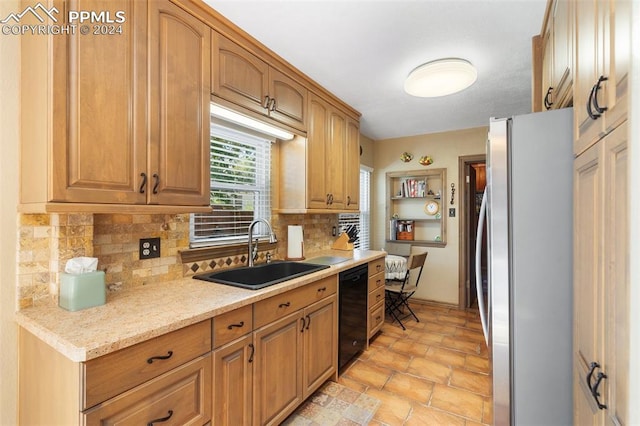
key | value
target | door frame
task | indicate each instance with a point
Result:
(463, 238)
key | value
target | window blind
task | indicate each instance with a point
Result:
(361, 220)
(240, 188)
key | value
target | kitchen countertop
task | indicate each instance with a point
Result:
(133, 316)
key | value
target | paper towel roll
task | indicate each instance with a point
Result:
(295, 243)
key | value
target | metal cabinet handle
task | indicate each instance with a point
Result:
(157, 182)
(143, 185)
(153, 358)
(303, 324)
(348, 200)
(308, 322)
(598, 108)
(321, 289)
(592, 115)
(328, 198)
(231, 326)
(594, 390)
(253, 351)
(284, 305)
(272, 104)
(161, 420)
(592, 367)
(265, 102)
(547, 102)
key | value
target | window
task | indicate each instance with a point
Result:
(240, 188)
(363, 219)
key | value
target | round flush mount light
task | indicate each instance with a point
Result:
(440, 78)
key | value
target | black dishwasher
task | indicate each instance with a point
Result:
(353, 312)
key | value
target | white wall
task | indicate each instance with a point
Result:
(439, 281)
(9, 138)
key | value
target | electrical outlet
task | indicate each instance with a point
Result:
(149, 248)
(452, 212)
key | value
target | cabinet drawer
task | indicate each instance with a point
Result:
(376, 266)
(105, 377)
(273, 308)
(231, 325)
(376, 281)
(376, 297)
(183, 395)
(376, 318)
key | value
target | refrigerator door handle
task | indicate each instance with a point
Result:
(479, 291)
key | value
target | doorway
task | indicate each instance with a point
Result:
(472, 178)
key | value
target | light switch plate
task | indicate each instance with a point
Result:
(452, 212)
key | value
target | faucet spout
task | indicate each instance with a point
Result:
(253, 250)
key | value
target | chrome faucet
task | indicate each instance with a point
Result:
(253, 250)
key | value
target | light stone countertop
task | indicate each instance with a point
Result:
(133, 316)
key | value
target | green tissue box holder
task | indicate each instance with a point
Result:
(81, 291)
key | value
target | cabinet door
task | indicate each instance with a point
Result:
(99, 104)
(233, 382)
(547, 66)
(588, 294)
(238, 75)
(614, 389)
(320, 344)
(289, 100)
(335, 160)
(562, 79)
(589, 57)
(179, 107)
(317, 136)
(352, 165)
(277, 370)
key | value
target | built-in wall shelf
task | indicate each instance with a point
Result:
(415, 211)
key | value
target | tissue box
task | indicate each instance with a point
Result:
(80, 291)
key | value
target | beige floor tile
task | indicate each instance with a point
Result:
(393, 410)
(448, 319)
(352, 384)
(430, 370)
(410, 387)
(410, 347)
(487, 411)
(421, 416)
(445, 329)
(393, 360)
(473, 382)
(458, 401)
(477, 363)
(446, 356)
(426, 337)
(470, 334)
(467, 346)
(383, 340)
(368, 374)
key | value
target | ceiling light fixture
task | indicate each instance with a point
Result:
(441, 77)
(252, 123)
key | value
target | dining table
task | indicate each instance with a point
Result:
(395, 267)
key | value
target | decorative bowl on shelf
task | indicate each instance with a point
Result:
(425, 160)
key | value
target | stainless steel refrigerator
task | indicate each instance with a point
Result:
(527, 312)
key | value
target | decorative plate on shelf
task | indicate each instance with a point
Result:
(432, 207)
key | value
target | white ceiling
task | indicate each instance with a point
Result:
(362, 50)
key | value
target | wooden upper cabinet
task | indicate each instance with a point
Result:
(179, 107)
(602, 67)
(335, 159)
(317, 135)
(557, 56)
(118, 120)
(352, 165)
(241, 77)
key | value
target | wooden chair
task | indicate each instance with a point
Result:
(397, 293)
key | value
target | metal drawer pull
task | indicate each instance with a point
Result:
(161, 420)
(153, 358)
(321, 289)
(230, 326)
(284, 305)
(155, 186)
(378, 296)
(143, 185)
(253, 351)
(308, 322)
(303, 324)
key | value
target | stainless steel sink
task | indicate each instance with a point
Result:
(257, 277)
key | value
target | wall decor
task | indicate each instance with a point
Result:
(425, 160)
(406, 157)
(453, 191)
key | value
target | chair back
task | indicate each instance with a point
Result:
(415, 261)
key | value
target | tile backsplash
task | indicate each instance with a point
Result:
(48, 241)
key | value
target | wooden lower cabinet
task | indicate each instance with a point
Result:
(320, 344)
(375, 300)
(233, 382)
(180, 397)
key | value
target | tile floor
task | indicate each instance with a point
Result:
(437, 372)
